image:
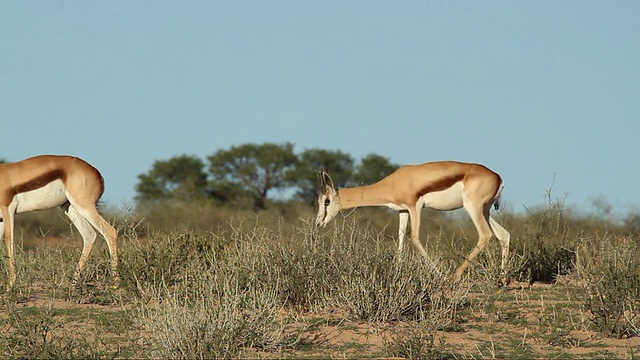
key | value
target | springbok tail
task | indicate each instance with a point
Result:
(496, 202)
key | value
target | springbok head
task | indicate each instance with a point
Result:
(328, 200)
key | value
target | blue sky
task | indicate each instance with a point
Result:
(536, 90)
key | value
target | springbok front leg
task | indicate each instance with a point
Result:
(7, 232)
(403, 220)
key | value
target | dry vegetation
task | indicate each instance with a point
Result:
(208, 282)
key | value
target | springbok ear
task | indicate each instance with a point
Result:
(326, 181)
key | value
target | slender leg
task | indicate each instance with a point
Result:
(7, 225)
(110, 235)
(88, 238)
(480, 218)
(402, 231)
(504, 237)
(415, 231)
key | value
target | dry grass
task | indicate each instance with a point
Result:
(272, 286)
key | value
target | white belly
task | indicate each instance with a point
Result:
(449, 199)
(46, 197)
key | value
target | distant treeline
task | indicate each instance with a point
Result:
(252, 173)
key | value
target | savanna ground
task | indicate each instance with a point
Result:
(269, 285)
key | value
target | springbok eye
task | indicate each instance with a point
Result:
(327, 202)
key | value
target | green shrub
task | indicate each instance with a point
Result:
(609, 270)
(163, 260)
(546, 242)
(39, 333)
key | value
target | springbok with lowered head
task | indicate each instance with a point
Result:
(48, 181)
(441, 185)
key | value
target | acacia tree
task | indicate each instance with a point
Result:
(255, 168)
(180, 177)
(249, 172)
(305, 175)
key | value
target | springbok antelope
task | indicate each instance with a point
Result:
(441, 185)
(46, 181)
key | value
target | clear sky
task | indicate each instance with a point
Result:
(532, 89)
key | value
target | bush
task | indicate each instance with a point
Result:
(609, 270)
(39, 333)
(546, 241)
(417, 340)
(377, 284)
(299, 267)
(164, 260)
(221, 320)
(219, 301)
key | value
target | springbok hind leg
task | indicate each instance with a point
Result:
(480, 220)
(85, 222)
(110, 235)
(504, 237)
(88, 238)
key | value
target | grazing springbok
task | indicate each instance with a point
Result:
(45, 182)
(441, 185)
